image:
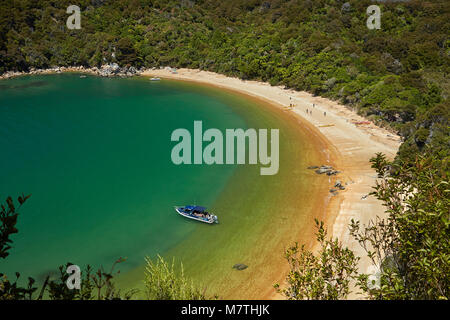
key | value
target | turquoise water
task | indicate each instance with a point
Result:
(95, 155)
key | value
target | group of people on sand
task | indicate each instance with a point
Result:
(310, 111)
(307, 110)
(291, 104)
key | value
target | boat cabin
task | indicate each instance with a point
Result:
(196, 210)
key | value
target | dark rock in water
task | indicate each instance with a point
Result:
(312, 167)
(325, 169)
(240, 266)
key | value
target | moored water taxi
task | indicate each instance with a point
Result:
(197, 213)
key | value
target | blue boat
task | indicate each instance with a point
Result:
(197, 213)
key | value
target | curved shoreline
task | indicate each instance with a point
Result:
(259, 239)
(348, 148)
(353, 146)
(262, 238)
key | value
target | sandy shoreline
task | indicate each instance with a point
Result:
(354, 144)
(349, 147)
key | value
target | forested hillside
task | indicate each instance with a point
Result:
(397, 75)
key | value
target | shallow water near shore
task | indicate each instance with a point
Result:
(95, 155)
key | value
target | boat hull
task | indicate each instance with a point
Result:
(180, 211)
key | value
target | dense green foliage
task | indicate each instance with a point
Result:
(325, 276)
(411, 247)
(396, 75)
(409, 250)
(8, 220)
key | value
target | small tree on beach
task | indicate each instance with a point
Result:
(322, 276)
(411, 247)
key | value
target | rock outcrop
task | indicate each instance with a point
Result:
(326, 169)
(106, 70)
(339, 185)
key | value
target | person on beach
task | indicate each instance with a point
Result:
(324, 114)
(307, 111)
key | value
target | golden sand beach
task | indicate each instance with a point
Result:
(349, 138)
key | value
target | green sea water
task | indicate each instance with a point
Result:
(94, 153)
